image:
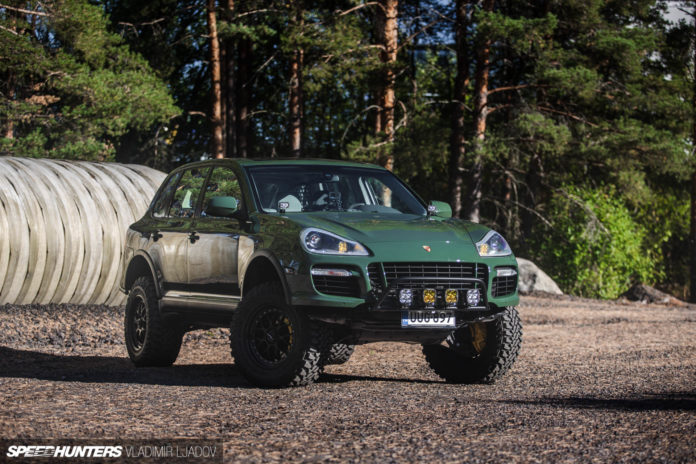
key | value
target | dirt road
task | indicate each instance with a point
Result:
(595, 382)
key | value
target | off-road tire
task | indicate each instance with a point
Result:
(155, 342)
(339, 353)
(465, 365)
(300, 365)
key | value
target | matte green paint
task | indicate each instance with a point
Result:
(442, 209)
(388, 238)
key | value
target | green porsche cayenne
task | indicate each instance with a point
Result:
(304, 259)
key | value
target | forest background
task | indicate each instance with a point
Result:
(567, 125)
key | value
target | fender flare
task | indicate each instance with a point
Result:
(151, 265)
(267, 255)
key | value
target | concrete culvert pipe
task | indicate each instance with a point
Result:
(63, 225)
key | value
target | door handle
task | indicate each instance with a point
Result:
(151, 235)
(193, 236)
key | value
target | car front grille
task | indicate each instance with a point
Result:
(503, 286)
(440, 271)
(337, 286)
(436, 275)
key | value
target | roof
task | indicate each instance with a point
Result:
(302, 161)
(284, 161)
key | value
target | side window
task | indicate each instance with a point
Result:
(187, 192)
(223, 183)
(162, 202)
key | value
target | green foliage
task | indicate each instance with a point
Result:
(72, 89)
(595, 248)
(588, 97)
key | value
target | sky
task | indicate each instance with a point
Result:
(674, 14)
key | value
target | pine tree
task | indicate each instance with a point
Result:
(218, 146)
(72, 89)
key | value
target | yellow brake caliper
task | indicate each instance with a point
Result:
(289, 326)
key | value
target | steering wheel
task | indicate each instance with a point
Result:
(355, 206)
(312, 206)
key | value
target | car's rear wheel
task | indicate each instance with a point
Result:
(478, 352)
(150, 339)
(274, 344)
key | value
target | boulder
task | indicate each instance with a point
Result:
(533, 279)
(647, 294)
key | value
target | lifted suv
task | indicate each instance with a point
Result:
(303, 259)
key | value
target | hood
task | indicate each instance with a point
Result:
(369, 228)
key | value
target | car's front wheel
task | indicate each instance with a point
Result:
(274, 344)
(339, 353)
(150, 339)
(478, 352)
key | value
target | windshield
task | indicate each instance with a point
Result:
(295, 189)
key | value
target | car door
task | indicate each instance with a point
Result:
(173, 220)
(212, 256)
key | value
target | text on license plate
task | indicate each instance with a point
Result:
(428, 318)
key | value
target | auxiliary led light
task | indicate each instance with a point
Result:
(451, 297)
(406, 296)
(429, 296)
(473, 297)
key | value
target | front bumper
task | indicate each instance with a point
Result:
(374, 313)
(364, 325)
(377, 293)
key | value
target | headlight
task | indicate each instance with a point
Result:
(326, 243)
(493, 244)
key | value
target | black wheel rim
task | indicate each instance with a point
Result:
(138, 324)
(470, 341)
(270, 336)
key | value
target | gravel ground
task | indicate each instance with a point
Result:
(595, 382)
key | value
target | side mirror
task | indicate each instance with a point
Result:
(439, 209)
(222, 207)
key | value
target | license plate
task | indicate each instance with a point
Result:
(427, 318)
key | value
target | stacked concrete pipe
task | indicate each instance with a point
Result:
(62, 228)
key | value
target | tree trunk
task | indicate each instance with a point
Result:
(296, 103)
(692, 236)
(473, 206)
(387, 29)
(230, 114)
(9, 128)
(244, 75)
(458, 139)
(692, 232)
(216, 116)
(378, 117)
(295, 127)
(386, 32)
(223, 94)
